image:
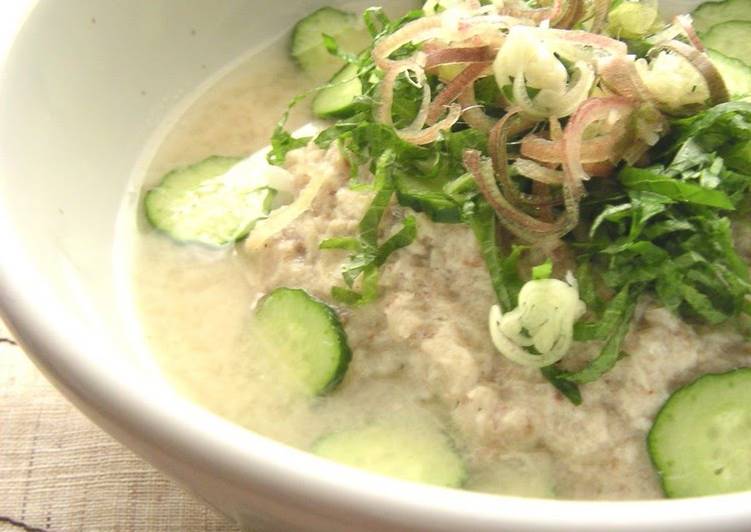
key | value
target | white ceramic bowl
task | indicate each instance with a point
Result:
(83, 86)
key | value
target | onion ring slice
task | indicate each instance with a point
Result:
(718, 92)
(591, 111)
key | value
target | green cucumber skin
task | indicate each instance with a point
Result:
(296, 46)
(709, 14)
(345, 109)
(665, 415)
(345, 353)
(306, 44)
(735, 73)
(148, 197)
(731, 38)
(362, 443)
(153, 214)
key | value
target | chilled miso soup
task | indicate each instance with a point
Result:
(418, 287)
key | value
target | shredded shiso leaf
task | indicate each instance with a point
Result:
(635, 194)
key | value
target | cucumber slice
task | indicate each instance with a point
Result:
(700, 441)
(204, 203)
(336, 101)
(516, 474)
(428, 196)
(406, 451)
(710, 13)
(308, 339)
(735, 73)
(732, 39)
(308, 48)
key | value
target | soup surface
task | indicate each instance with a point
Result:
(421, 353)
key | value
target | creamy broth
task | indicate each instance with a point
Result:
(196, 305)
(420, 353)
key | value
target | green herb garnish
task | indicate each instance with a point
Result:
(368, 255)
(664, 230)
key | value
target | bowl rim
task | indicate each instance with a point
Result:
(205, 442)
(217, 447)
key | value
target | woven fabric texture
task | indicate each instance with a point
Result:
(59, 472)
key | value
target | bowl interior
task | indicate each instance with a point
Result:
(85, 87)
